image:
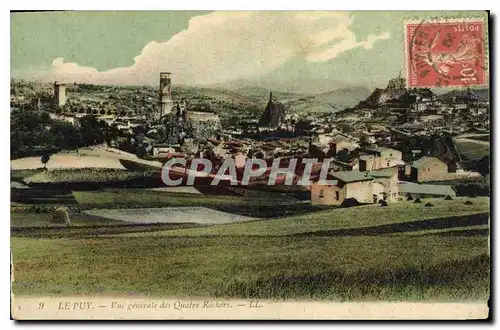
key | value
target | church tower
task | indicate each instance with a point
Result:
(166, 103)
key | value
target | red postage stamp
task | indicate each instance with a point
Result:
(446, 53)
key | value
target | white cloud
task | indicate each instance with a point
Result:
(223, 46)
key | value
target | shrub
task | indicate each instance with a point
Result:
(61, 215)
(40, 209)
(349, 202)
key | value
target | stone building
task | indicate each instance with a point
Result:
(380, 158)
(350, 184)
(388, 179)
(340, 143)
(59, 94)
(165, 94)
(428, 169)
(415, 190)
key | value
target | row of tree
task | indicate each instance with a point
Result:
(34, 133)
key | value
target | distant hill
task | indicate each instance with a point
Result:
(298, 86)
(261, 94)
(481, 93)
(142, 99)
(347, 96)
(242, 102)
(330, 101)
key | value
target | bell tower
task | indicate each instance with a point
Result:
(59, 94)
(166, 103)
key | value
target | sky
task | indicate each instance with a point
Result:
(293, 48)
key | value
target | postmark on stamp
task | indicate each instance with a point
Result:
(446, 53)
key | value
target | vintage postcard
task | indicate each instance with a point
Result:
(250, 165)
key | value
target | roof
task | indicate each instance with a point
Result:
(339, 138)
(164, 145)
(384, 149)
(351, 176)
(424, 161)
(384, 173)
(430, 189)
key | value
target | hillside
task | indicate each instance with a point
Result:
(331, 101)
(347, 96)
(299, 85)
(481, 93)
(261, 94)
(135, 100)
(242, 102)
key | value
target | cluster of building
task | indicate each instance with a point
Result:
(365, 144)
(374, 174)
(125, 121)
(367, 161)
(388, 182)
(180, 108)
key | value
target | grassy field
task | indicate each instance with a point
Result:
(87, 175)
(269, 205)
(21, 174)
(340, 268)
(402, 217)
(401, 252)
(28, 219)
(472, 149)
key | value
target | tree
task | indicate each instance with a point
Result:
(172, 128)
(60, 141)
(111, 134)
(28, 130)
(302, 127)
(92, 131)
(61, 215)
(364, 141)
(66, 135)
(45, 159)
(345, 128)
(484, 166)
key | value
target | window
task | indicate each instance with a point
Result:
(322, 193)
(337, 195)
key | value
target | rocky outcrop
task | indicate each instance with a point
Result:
(395, 89)
(274, 114)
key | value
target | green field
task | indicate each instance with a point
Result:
(406, 215)
(265, 206)
(472, 149)
(405, 251)
(25, 220)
